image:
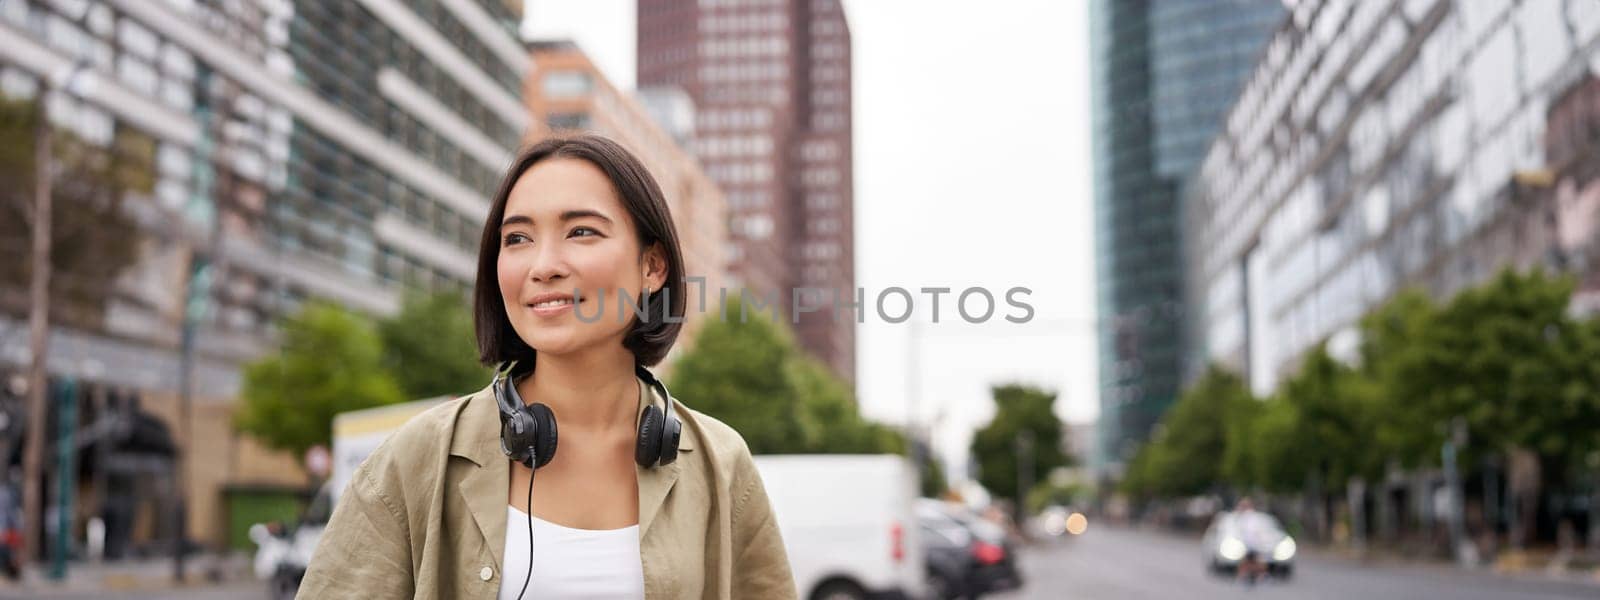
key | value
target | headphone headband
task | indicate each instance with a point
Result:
(659, 430)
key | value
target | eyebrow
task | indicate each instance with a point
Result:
(566, 215)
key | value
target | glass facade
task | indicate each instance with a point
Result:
(334, 150)
(1388, 144)
(1164, 74)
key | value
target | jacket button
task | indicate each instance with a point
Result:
(486, 574)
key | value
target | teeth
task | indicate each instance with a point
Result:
(550, 303)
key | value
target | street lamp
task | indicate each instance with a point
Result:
(76, 80)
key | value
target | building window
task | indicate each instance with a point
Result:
(754, 227)
(569, 121)
(567, 84)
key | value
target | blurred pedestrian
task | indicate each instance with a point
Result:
(447, 507)
(10, 525)
(1252, 527)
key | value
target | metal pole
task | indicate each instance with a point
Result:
(66, 446)
(179, 526)
(38, 332)
(198, 295)
(1024, 471)
(913, 390)
(199, 287)
(1464, 553)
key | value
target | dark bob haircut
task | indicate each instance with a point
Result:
(649, 337)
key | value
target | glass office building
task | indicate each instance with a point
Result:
(1164, 74)
(289, 150)
(1381, 145)
(305, 149)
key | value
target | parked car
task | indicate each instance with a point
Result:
(966, 556)
(847, 524)
(1248, 537)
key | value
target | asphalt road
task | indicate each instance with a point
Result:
(1128, 564)
(247, 590)
(1122, 563)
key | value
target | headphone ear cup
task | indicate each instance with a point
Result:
(514, 430)
(648, 447)
(669, 440)
(544, 441)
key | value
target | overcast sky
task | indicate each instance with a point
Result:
(972, 170)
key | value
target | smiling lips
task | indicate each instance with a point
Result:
(552, 304)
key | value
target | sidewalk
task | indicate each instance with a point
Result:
(1531, 566)
(139, 575)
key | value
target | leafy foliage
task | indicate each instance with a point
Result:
(90, 241)
(1019, 409)
(1506, 357)
(430, 347)
(1188, 450)
(749, 375)
(331, 362)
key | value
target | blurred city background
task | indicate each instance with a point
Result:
(1314, 285)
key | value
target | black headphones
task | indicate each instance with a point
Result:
(528, 431)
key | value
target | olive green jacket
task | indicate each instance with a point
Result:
(425, 516)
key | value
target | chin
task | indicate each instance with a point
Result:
(563, 341)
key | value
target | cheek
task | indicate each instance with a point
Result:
(606, 270)
(510, 282)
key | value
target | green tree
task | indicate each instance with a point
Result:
(831, 421)
(330, 362)
(1319, 425)
(750, 375)
(932, 480)
(1058, 493)
(92, 239)
(1507, 358)
(1191, 451)
(1510, 362)
(430, 347)
(1272, 460)
(1394, 340)
(1022, 412)
(739, 372)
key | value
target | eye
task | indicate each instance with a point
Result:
(583, 232)
(512, 238)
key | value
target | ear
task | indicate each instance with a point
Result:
(654, 264)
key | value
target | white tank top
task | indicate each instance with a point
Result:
(570, 563)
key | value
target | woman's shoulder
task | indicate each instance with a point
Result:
(714, 436)
(721, 448)
(424, 429)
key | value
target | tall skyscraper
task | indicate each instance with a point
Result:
(1163, 75)
(770, 80)
(279, 151)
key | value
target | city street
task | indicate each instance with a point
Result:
(1120, 563)
(244, 590)
(1117, 564)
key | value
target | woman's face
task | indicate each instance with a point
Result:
(565, 230)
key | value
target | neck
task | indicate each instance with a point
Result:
(590, 392)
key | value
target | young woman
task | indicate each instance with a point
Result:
(634, 495)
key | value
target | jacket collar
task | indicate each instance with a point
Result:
(477, 439)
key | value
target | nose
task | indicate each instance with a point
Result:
(547, 264)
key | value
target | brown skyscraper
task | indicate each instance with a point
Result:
(770, 81)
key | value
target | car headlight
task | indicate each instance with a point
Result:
(1284, 550)
(1231, 548)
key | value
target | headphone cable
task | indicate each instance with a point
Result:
(529, 575)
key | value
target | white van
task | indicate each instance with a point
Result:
(847, 523)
